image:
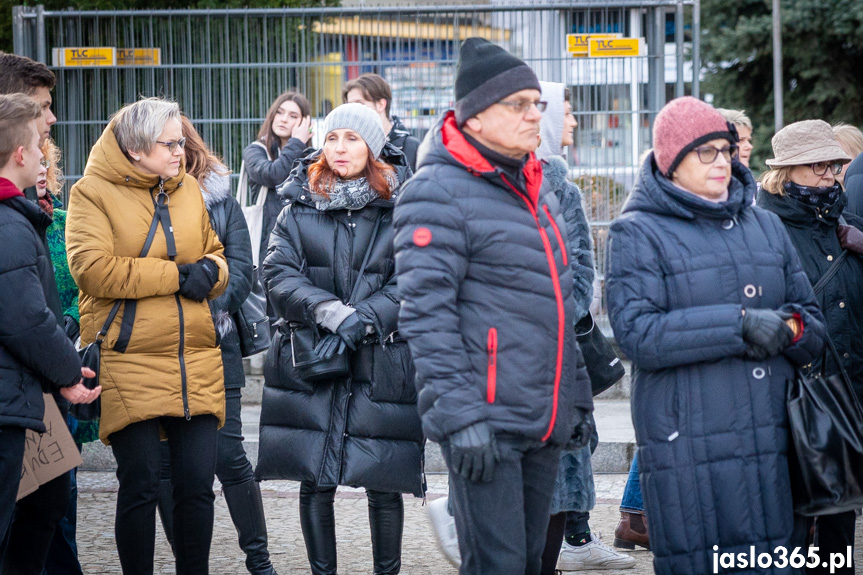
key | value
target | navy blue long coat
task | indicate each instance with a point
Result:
(711, 425)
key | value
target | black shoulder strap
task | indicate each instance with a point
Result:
(828, 275)
(161, 207)
(366, 258)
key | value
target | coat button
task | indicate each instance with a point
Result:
(846, 355)
(758, 373)
(127, 178)
(829, 258)
(727, 224)
(302, 197)
(842, 304)
(749, 291)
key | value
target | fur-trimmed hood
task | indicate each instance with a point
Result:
(216, 186)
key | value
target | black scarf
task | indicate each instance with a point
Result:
(816, 197)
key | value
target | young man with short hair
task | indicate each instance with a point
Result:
(488, 312)
(372, 91)
(35, 353)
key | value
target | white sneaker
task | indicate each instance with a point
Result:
(444, 528)
(592, 555)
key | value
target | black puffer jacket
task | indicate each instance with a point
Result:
(35, 354)
(711, 425)
(365, 430)
(233, 232)
(486, 292)
(841, 300)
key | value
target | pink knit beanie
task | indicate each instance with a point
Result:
(683, 125)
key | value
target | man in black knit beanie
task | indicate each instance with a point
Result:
(488, 311)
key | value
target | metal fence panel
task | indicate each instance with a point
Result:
(225, 67)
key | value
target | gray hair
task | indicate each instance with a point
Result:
(736, 117)
(137, 126)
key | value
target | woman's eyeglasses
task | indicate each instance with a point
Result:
(821, 168)
(172, 145)
(45, 163)
(708, 154)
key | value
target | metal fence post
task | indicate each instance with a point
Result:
(696, 48)
(18, 30)
(680, 87)
(40, 34)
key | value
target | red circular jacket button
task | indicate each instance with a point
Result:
(422, 237)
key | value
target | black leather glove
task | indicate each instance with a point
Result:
(582, 430)
(850, 238)
(473, 452)
(352, 331)
(766, 332)
(197, 279)
(330, 345)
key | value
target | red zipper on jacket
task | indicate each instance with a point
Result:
(491, 381)
(558, 295)
(556, 233)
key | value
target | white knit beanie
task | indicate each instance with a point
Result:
(362, 120)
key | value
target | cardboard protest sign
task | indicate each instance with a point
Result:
(47, 455)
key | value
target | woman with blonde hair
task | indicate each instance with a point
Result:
(139, 238)
(743, 125)
(850, 138)
(330, 271)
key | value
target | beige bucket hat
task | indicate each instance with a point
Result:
(806, 142)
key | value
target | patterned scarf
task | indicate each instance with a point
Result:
(819, 198)
(46, 202)
(351, 194)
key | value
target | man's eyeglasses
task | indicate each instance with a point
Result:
(821, 168)
(708, 154)
(522, 106)
(45, 163)
(172, 145)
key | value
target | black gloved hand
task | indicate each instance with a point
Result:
(473, 452)
(352, 331)
(582, 430)
(329, 345)
(850, 238)
(766, 332)
(197, 279)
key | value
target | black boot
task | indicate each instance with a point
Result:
(247, 513)
(318, 522)
(166, 511)
(386, 519)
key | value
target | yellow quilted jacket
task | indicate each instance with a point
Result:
(172, 365)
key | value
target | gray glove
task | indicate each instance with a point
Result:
(473, 452)
(581, 431)
(766, 332)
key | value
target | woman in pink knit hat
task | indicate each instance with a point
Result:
(708, 299)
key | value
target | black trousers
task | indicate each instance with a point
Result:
(136, 447)
(834, 534)
(11, 458)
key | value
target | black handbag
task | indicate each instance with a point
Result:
(826, 461)
(826, 421)
(309, 365)
(253, 325)
(603, 365)
(91, 356)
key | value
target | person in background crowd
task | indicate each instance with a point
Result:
(853, 174)
(372, 91)
(743, 125)
(570, 544)
(161, 365)
(282, 140)
(35, 354)
(362, 429)
(488, 310)
(46, 507)
(242, 492)
(850, 138)
(707, 297)
(801, 187)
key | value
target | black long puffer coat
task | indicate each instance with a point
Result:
(363, 431)
(486, 286)
(841, 300)
(711, 425)
(35, 354)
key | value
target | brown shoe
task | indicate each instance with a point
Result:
(631, 531)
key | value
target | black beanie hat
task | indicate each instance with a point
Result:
(486, 74)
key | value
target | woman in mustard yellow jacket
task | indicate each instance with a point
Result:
(161, 368)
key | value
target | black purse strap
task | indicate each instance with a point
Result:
(366, 258)
(160, 203)
(828, 275)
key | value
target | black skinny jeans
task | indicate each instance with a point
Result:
(193, 466)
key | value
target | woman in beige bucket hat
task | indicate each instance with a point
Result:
(801, 188)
